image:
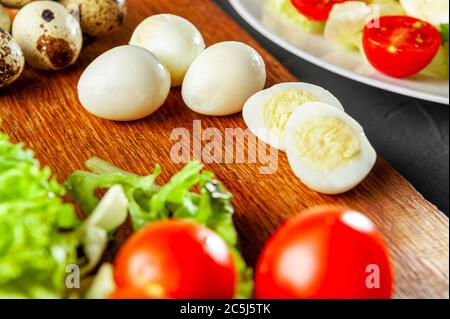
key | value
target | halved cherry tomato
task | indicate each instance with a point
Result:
(326, 252)
(177, 259)
(317, 10)
(400, 46)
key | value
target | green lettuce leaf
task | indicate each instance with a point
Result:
(34, 249)
(149, 202)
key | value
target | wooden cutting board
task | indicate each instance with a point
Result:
(42, 110)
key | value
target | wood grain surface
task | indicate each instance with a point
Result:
(43, 111)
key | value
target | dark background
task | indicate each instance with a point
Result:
(410, 134)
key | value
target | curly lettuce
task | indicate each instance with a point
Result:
(35, 245)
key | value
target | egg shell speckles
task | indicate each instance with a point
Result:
(5, 21)
(50, 37)
(99, 17)
(12, 60)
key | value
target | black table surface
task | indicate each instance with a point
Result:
(409, 133)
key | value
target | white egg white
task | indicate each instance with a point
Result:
(175, 41)
(345, 177)
(222, 78)
(254, 109)
(124, 84)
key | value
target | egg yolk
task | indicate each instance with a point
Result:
(326, 143)
(280, 106)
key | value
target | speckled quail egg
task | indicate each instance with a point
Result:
(5, 20)
(175, 41)
(222, 78)
(267, 112)
(16, 3)
(99, 17)
(327, 149)
(50, 37)
(12, 61)
(124, 84)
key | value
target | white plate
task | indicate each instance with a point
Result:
(316, 50)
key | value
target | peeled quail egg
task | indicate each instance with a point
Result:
(175, 41)
(222, 78)
(327, 149)
(126, 83)
(12, 61)
(5, 21)
(99, 17)
(267, 112)
(16, 3)
(49, 36)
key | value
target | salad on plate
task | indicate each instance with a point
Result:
(397, 38)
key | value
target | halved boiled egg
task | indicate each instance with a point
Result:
(267, 112)
(327, 149)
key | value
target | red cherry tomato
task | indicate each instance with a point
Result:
(178, 259)
(326, 252)
(317, 10)
(138, 293)
(400, 46)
